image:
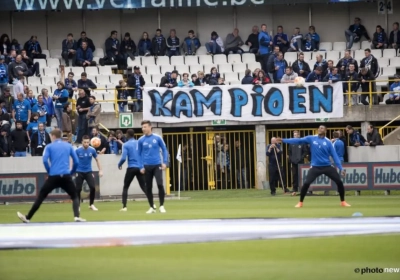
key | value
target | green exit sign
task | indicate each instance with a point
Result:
(321, 119)
(218, 122)
(125, 120)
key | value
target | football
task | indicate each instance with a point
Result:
(299, 81)
(95, 142)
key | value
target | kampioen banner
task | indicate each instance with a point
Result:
(359, 176)
(243, 103)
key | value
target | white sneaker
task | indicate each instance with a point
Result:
(77, 219)
(124, 209)
(154, 206)
(22, 217)
(93, 207)
(162, 209)
(151, 211)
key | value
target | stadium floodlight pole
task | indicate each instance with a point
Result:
(279, 170)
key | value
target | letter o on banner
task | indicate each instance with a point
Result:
(273, 102)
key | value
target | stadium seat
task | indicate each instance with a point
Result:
(152, 69)
(108, 96)
(238, 68)
(56, 53)
(182, 69)
(248, 57)
(359, 54)
(327, 46)
(389, 71)
(290, 57)
(191, 60)
(48, 80)
(241, 76)
(235, 82)
(114, 79)
(77, 70)
(253, 65)
(51, 72)
(39, 89)
(376, 53)
(107, 107)
(205, 59)
(231, 77)
(234, 59)
(389, 53)
(308, 55)
(131, 63)
(356, 46)
(103, 86)
(395, 61)
(332, 55)
(46, 52)
(225, 68)
(97, 60)
(339, 46)
(150, 85)
(99, 52)
(156, 78)
(195, 68)
(162, 60)
(201, 51)
(383, 62)
(103, 79)
(34, 81)
(92, 71)
(105, 70)
(166, 68)
(220, 59)
(177, 60)
(147, 60)
(42, 63)
(53, 62)
(110, 88)
(385, 97)
(365, 45)
(147, 78)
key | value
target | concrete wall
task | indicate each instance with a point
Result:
(393, 138)
(374, 154)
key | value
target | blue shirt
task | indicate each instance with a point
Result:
(264, 39)
(32, 127)
(149, 149)
(41, 109)
(85, 158)
(50, 105)
(130, 150)
(339, 148)
(395, 90)
(62, 97)
(21, 110)
(321, 148)
(59, 153)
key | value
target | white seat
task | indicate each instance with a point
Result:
(55, 53)
(365, 45)
(150, 85)
(42, 63)
(339, 46)
(92, 71)
(376, 53)
(152, 69)
(114, 79)
(195, 68)
(389, 53)
(46, 52)
(234, 58)
(162, 60)
(241, 76)
(383, 62)
(177, 60)
(207, 68)
(235, 82)
(53, 62)
(103, 86)
(110, 88)
(105, 70)
(325, 46)
(77, 70)
(102, 79)
(191, 60)
(97, 60)
(239, 68)
(245, 48)
(166, 68)
(109, 96)
(147, 60)
(182, 69)
(99, 52)
(48, 80)
(225, 68)
(231, 77)
(34, 81)
(205, 59)
(156, 78)
(356, 46)
(39, 89)
(253, 66)
(359, 54)
(389, 71)
(107, 107)
(201, 51)
(332, 55)
(51, 72)
(308, 55)
(147, 78)
(132, 63)
(395, 61)
(385, 97)
(290, 57)
(248, 57)
(220, 59)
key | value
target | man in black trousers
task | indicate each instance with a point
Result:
(275, 169)
(296, 155)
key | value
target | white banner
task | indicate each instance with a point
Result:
(243, 103)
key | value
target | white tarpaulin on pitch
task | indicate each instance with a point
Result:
(243, 103)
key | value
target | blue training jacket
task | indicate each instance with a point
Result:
(130, 150)
(149, 149)
(59, 153)
(321, 148)
(339, 148)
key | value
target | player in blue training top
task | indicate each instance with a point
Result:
(321, 148)
(149, 147)
(135, 167)
(60, 175)
(84, 170)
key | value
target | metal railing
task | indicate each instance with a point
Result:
(386, 126)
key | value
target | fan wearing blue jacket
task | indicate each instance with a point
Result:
(265, 42)
(149, 146)
(185, 82)
(3, 75)
(191, 44)
(60, 97)
(84, 56)
(339, 147)
(173, 44)
(321, 150)
(314, 38)
(69, 47)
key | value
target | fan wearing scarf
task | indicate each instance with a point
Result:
(159, 44)
(122, 95)
(33, 48)
(370, 62)
(93, 115)
(173, 44)
(169, 80)
(39, 139)
(41, 108)
(136, 82)
(380, 39)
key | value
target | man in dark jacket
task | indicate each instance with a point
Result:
(351, 75)
(84, 56)
(19, 140)
(344, 62)
(344, 140)
(301, 67)
(5, 143)
(128, 47)
(315, 76)
(86, 84)
(321, 62)
(169, 80)
(33, 67)
(271, 63)
(296, 155)
(34, 49)
(252, 40)
(5, 120)
(394, 37)
(159, 45)
(355, 32)
(87, 40)
(18, 68)
(241, 165)
(112, 46)
(8, 100)
(379, 40)
(69, 48)
(356, 139)
(370, 62)
(248, 78)
(137, 82)
(274, 153)
(365, 76)
(173, 44)
(39, 140)
(104, 147)
(373, 137)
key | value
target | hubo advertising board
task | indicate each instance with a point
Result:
(359, 176)
(26, 187)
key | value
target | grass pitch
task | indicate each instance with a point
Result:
(303, 258)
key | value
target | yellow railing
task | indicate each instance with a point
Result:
(386, 126)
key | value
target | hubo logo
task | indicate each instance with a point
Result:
(25, 186)
(386, 176)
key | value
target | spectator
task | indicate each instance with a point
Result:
(370, 62)
(394, 37)
(33, 48)
(32, 126)
(86, 84)
(194, 79)
(103, 148)
(365, 77)
(255, 73)
(112, 143)
(351, 76)
(18, 68)
(215, 45)
(82, 107)
(60, 98)
(280, 65)
(5, 143)
(18, 86)
(289, 76)
(70, 84)
(201, 81)
(69, 48)
(379, 40)
(22, 111)
(185, 82)
(248, 78)
(271, 63)
(41, 108)
(33, 68)
(137, 82)
(173, 44)
(191, 44)
(48, 100)
(26, 91)
(233, 43)
(296, 41)
(301, 67)
(5, 119)
(11, 57)
(338, 146)
(274, 152)
(314, 38)
(212, 78)
(344, 140)
(128, 47)
(373, 137)
(112, 50)
(330, 67)
(296, 156)
(252, 40)
(39, 140)
(3, 75)
(93, 114)
(169, 80)
(281, 40)
(159, 45)
(261, 79)
(84, 56)
(122, 95)
(394, 96)
(221, 81)
(120, 139)
(265, 42)
(32, 100)
(315, 76)
(321, 62)
(19, 140)
(87, 40)
(16, 46)
(343, 64)
(224, 166)
(7, 100)
(356, 139)
(333, 76)
(5, 45)
(355, 32)
(144, 45)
